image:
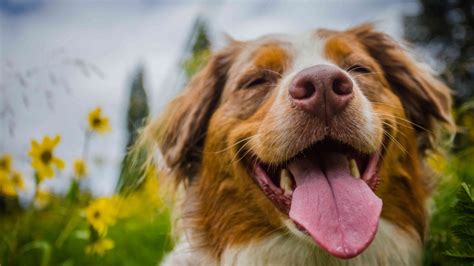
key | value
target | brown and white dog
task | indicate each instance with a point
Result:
(303, 150)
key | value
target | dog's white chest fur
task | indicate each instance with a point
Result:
(390, 247)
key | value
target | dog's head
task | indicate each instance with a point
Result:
(309, 133)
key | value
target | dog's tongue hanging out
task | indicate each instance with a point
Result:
(339, 211)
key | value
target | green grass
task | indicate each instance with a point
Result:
(58, 236)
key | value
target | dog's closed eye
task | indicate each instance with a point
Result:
(257, 80)
(359, 68)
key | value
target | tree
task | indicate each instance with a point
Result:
(198, 48)
(446, 30)
(138, 110)
(195, 55)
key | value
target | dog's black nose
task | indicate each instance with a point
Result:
(321, 90)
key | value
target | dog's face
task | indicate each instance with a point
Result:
(308, 133)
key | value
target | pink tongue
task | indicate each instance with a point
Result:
(340, 212)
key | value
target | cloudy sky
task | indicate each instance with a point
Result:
(60, 59)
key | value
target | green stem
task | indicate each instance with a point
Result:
(37, 184)
(41, 245)
(72, 224)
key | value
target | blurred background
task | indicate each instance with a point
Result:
(80, 77)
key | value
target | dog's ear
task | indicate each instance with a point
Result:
(427, 101)
(181, 129)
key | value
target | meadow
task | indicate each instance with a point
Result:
(129, 228)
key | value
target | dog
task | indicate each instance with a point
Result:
(305, 149)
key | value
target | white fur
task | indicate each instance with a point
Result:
(309, 51)
(391, 246)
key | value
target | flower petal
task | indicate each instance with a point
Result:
(35, 149)
(47, 142)
(34, 144)
(56, 140)
(48, 171)
(59, 163)
(36, 164)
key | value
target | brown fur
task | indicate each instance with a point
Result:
(411, 104)
(208, 130)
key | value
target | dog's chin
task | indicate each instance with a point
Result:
(326, 193)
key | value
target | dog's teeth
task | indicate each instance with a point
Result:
(286, 182)
(354, 168)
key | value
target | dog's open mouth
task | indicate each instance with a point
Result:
(327, 190)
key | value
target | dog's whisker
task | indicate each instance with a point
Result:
(235, 158)
(403, 120)
(396, 142)
(235, 144)
(393, 127)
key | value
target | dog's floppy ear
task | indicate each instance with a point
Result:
(181, 129)
(426, 100)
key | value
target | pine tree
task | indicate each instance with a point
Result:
(195, 55)
(200, 49)
(138, 110)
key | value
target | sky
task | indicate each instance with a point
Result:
(61, 59)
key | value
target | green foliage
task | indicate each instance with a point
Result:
(458, 170)
(137, 113)
(195, 62)
(200, 49)
(463, 230)
(201, 41)
(58, 235)
(444, 29)
(138, 108)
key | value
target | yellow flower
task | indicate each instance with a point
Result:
(6, 163)
(7, 188)
(43, 159)
(97, 122)
(17, 180)
(80, 168)
(42, 198)
(100, 246)
(102, 213)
